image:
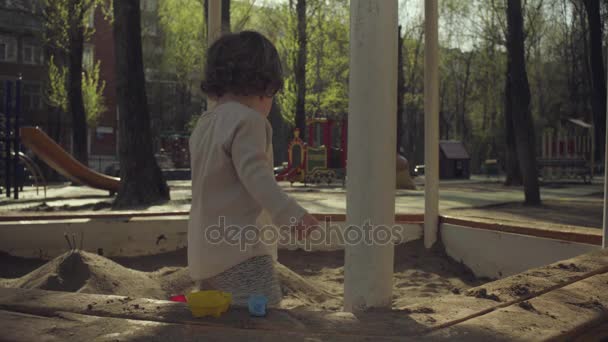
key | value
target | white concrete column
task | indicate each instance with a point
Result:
(431, 123)
(214, 29)
(372, 136)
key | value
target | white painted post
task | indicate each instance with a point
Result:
(214, 29)
(431, 123)
(372, 135)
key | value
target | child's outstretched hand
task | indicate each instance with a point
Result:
(307, 224)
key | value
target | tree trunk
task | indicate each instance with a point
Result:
(300, 69)
(206, 13)
(280, 134)
(226, 16)
(513, 174)
(142, 182)
(463, 104)
(519, 98)
(400, 91)
(539, 79)
(598, 81)
(74, 92)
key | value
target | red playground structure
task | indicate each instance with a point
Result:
(323, 158)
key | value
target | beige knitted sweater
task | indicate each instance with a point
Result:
(233, 181)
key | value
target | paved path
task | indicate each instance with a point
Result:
(478, 192)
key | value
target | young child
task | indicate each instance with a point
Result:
(233, 183)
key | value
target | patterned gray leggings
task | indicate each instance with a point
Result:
(254, 276)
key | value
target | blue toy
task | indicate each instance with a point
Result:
(257, 305)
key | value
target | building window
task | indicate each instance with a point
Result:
(38, 55)
(32, 95)
(87, 57)
(32, 54)
(8, 49)
(28, 54)
(23, 5)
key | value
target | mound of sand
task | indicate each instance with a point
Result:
(79, 271)
(313, 280)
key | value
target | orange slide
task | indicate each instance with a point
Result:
(57, 158)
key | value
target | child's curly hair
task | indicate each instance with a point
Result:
(244, 63)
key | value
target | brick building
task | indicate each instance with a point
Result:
(22, 56)
(103, 138)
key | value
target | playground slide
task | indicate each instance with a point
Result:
(285, 174)
(57, 158)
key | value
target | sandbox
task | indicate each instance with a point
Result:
(311, 279)
(563, 301)
(446, 292)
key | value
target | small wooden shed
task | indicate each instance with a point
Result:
(454, 160)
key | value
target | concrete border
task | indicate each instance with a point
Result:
(131, 236)
(496, 254)
(403, 218)
(574, 234)
(490, 250)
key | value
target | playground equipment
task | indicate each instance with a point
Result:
(12, 136)
(10, 172)
(61, 161)
(567, 152)
(323, 158)
(175, 146)
(34, 170)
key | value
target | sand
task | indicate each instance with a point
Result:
(313, 280)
